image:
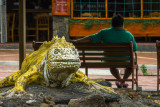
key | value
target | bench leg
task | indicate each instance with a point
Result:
(132, 78)
(86, 69)
(157, 79)
(137, 78)
(48, 34)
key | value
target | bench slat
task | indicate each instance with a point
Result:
(104, 49)
(106, 58)
(105, 65)
(97, 53)
(102, 44)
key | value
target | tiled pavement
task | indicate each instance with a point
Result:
(146, 82)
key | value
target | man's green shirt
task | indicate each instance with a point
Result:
(114, 35)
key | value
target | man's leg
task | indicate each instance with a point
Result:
(115, 73)
(128, 72)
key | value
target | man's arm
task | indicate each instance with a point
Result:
(134, 42)
(92, 38)
(84, 39)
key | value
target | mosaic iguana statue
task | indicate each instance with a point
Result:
(54, 64)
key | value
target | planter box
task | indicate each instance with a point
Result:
(79, 30)
(137, 31)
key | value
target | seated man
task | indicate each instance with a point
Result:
(115, 34)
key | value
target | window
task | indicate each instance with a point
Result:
(89, 8)
(127, 8)
(108, 8)
(151, 8)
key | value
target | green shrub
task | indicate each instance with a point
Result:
(144, 69)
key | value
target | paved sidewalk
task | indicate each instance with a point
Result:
(9, 63)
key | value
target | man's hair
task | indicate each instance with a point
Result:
(117, 21)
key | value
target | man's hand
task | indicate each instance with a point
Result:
(73, 41)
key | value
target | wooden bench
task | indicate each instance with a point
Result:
(158, 64)
(92, 56)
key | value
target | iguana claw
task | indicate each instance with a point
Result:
(13, 93)
(7, 94)
(3, 94)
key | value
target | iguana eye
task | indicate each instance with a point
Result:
(56, 51)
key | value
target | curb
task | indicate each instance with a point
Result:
(14, 46)
(14, 63)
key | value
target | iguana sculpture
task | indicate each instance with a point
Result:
(54, 64)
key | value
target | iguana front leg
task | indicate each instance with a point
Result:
(10, 80)
(25, 79)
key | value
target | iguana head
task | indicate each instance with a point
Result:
(63, 57)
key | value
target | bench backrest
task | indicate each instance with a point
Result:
(92, 54)
(36, 45)
(101, 55)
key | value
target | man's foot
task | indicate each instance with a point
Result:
(125, 85)
(118, 84)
